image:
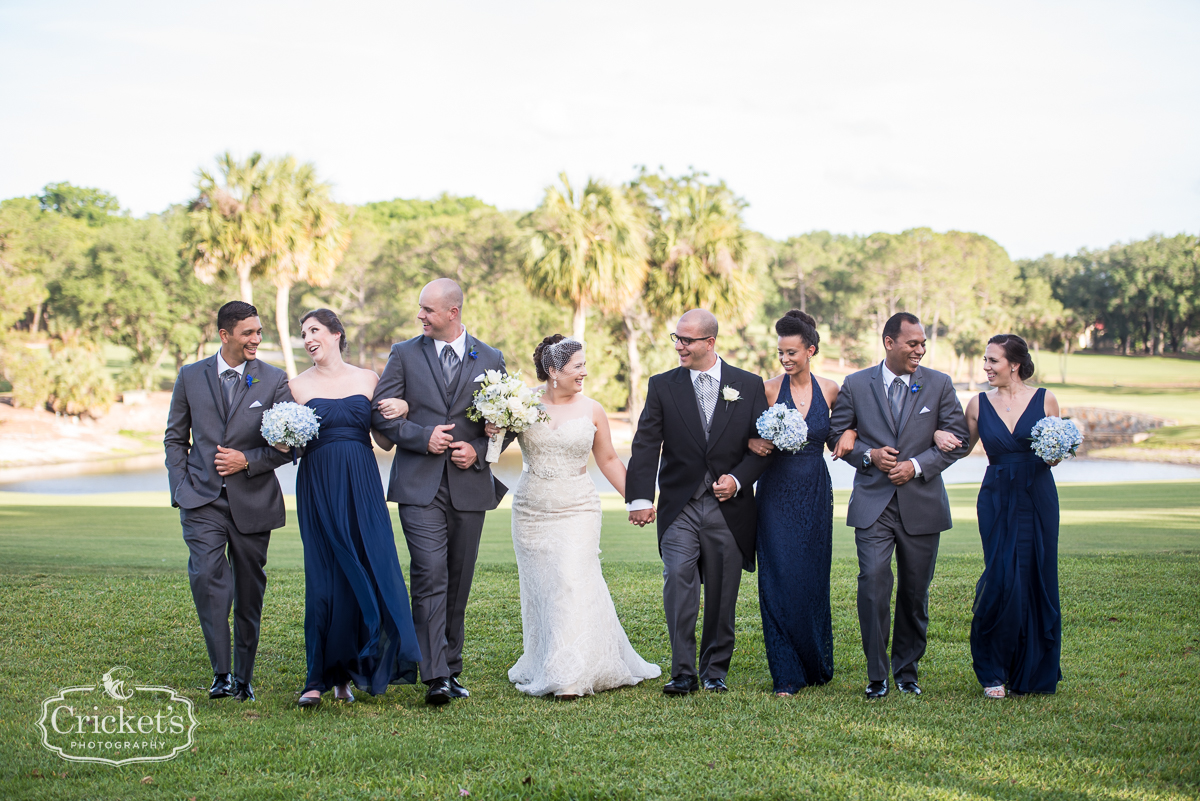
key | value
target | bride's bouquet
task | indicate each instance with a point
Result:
(1055, 439)
(506, 402)
(784, 426)
(290, 424)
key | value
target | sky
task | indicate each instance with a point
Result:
(1048, 126)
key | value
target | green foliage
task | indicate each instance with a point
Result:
(29, 373)
(384, 212)
(94, 206)
(81, 383)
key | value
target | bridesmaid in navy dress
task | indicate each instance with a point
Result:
(795, 521)
(357, 622)
(1016, 630)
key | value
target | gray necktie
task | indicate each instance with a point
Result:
(706, 393)
(896, 399)
(449, 365)
(229, 380)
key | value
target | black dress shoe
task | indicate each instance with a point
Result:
(439, 692)
(222, 686)
(681, 685)
(309, 701)
(715, 685)
(877, 689)
(242, 691)
(908, 687)
(457, 690)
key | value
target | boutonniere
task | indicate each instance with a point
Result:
(915, 388)
(474, 354)
(730, 395)
(250, 381)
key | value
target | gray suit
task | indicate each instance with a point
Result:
(234, 513)
(907, 519)
(441, 506)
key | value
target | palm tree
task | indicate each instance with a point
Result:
(586, 251)
(305, 238)
(226, 220)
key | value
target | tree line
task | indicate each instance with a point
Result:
(613, 264)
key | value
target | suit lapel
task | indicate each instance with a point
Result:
(684, 395)
(724, 409)
(214, 386)
(877, 387)
(916, 385)
(465, 369)
(430, 351)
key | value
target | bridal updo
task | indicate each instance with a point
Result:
(329, 319)
(1016, 351)
(799, 324)
(554, 352)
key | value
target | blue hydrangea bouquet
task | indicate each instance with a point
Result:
(290, 424)
(1055, 439)
(784, 426)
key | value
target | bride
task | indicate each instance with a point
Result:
(574, 643)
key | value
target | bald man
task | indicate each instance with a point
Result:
(699, 418)
(439, 478)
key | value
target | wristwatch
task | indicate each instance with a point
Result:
(867, 458)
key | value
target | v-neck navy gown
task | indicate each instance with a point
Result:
(357, 622)
(795, 550)
(1016, 631)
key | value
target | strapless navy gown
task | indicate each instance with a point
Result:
(1016, 631)
(357, 622)
(795, 550)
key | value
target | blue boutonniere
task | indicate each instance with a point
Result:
(915, 388)
(474, 354)
(250, 381)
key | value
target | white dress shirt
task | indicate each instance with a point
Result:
(222, 366)
(715, 372)
(459, 345)
(888, 378)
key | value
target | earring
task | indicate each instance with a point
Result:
(556, 383)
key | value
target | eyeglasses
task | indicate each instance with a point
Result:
(687, 341)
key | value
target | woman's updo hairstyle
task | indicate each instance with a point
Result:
(1016, 351)
(799, 324)
(554, 352)
(329, 319)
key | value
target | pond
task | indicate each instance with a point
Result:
(967, 471)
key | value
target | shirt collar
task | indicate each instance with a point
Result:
(459, 345)
(714, 371)
(222, 366)
(889, 376)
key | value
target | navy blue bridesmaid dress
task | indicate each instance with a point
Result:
(1016, 631)
(357, 622)
(795, 550)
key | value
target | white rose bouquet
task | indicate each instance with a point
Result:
(506, 402)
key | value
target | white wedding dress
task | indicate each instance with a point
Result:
(574, 644)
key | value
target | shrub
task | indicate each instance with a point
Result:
(81, 384)
(29, 373)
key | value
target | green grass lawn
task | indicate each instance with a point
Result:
(89, 587)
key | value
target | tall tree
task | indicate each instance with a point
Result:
(588, 250)
(228, 221)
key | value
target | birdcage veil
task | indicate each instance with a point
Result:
(555, 357)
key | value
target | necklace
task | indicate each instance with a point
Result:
(1011, 398)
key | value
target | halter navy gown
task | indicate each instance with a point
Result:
(357, 622)
(795, 550)
(1016, 632)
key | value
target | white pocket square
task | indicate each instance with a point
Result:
(923, 410)
(255, 405)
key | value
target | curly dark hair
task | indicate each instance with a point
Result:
(799, 324)
(329, 319)
(539, 354)
(1016, 350)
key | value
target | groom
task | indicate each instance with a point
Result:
(439, 477)
(700, 418)
(899, 502)
(222, 475)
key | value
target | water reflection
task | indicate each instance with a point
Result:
(967, 471)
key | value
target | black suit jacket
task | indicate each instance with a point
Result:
(670, 425)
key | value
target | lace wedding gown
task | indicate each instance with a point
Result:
(574, 644)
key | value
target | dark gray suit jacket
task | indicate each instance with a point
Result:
(414, 374)
(862, 405)
(198, 423)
